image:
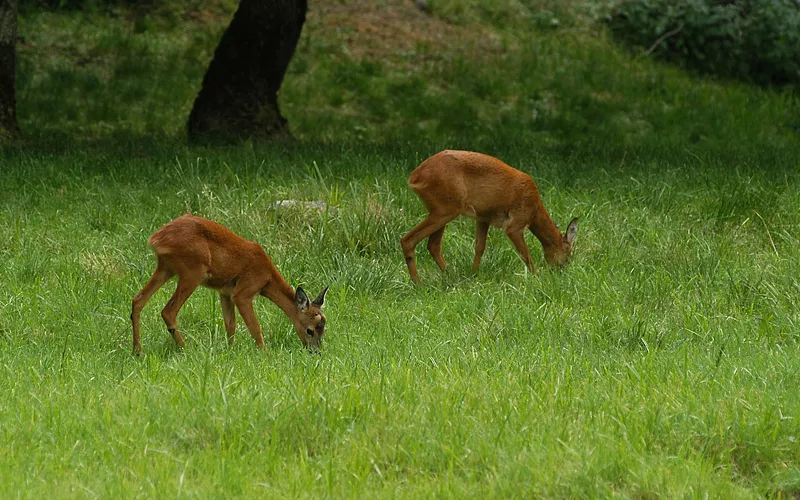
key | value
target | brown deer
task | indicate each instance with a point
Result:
(202, 252)
(453, 183)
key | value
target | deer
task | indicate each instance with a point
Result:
(481, 187)
(202, 252)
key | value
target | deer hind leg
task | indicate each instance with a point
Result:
(517, 237)
(435, 248)
(481, 231)
(409, 242)
(228, 315)
(160, 276)
(245, 306)
(186, 286)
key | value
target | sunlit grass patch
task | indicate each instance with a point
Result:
(662, 361)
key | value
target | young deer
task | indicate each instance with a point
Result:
(202, 252)
(453, 183)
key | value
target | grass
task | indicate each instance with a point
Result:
(565, 90)
(662, 363)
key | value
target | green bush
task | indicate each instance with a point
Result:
(754, 40)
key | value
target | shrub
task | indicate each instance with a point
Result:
(754, 40)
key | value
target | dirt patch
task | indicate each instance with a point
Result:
(380, 29)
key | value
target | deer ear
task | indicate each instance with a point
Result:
(572, 231)
(320, 300)
(301, 299)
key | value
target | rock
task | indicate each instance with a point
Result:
(303, 205)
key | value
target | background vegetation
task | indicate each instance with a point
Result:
(663, 362)
(478, 72)
(755, 40)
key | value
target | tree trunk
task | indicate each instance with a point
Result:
(8, 40)
(239, 97)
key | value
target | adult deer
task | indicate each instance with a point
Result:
(453, 183)
(202, 252)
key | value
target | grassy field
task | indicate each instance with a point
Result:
(664, 362)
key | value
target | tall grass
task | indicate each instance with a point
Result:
(662, 362)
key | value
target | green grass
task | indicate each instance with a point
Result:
(565, 90)
(664, 361)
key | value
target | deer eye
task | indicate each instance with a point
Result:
(309, 332)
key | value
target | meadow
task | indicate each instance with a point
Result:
(664, 362)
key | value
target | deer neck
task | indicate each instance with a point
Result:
(282, 294)
(546, 231)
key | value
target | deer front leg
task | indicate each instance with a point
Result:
(245, 306)
(481, 230)
(228, 315)
(518, 239)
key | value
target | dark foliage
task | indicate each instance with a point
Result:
(753, 40)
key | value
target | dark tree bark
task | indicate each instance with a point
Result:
(239, 97)
(8, 40)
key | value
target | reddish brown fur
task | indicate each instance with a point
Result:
(202, 252)
(453, 183)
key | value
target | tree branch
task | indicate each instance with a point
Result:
(661, 39)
